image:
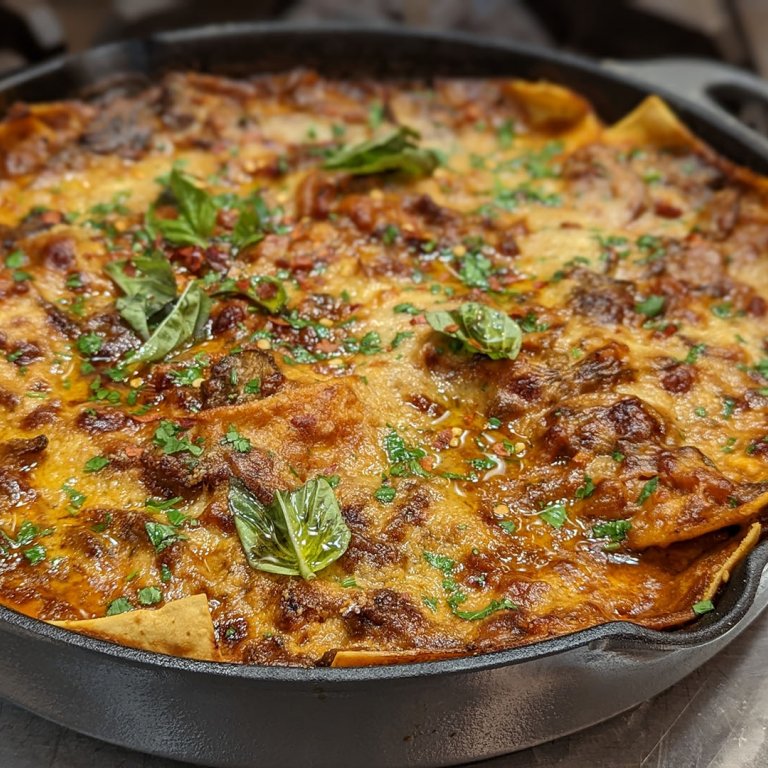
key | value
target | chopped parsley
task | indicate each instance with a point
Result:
(647, 490)
(613, 530)
(252, 387)
(162, 535)
(554, 514)
(455, 596)
(694, 353)
(651, 306)
(76, 499)
(167, 437)
(35, 554)
(585, 490)
(703, 606)
(149, 596)
(96, 464)
(88, 344)
(121, 605)
(385, 494)
(403, 458)
(240, 443)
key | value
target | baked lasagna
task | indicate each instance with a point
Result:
(298, 371)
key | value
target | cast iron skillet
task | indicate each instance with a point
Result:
(426, 714)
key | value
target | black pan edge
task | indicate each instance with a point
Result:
(215, 48)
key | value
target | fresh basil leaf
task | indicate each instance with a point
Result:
(264, 291)
(197, 213)
(299, 533)
(147, 292)
(397, 151)
(248, 228)
(185, 321)
(481, 329)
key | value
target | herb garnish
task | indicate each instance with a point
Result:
(162, 535)
(121, 605)
(647, 490)
(613, 530)
(149, 287)
(480, 329)
(456, 596)
(554, 514)
(299, 533)
(397, 151)
(703, 606)
(240, 443)
(96, 464)
(197, 213)
(186, 320)
(167, 437)
(265, 291)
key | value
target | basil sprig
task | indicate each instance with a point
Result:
(299, 533)
(197, 213)
(480, 329)
(265, 291)
(397, 151)
(148, 290)
(183, 322)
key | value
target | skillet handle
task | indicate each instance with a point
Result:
(708, 84)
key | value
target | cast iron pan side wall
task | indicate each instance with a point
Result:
(413, 715)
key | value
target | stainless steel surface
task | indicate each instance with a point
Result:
(717, 717)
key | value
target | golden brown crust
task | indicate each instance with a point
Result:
(614, 470)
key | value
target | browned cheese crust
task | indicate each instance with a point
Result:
(615, 470)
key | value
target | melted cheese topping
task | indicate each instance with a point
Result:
(610, 472)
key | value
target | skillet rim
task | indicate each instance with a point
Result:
(735, 599)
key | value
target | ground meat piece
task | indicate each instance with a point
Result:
(633, 420)
(318, 193)
(8, 400)
(697, 263)
(96, 422)
(606, 366)
(24, 353)
(58, 253)
(118, 339)
(302, 603)
(602, 299)
(678, 378)
(236, 379)
(521, 384)
(45, 413)
(228, 318)
(176, 474)
(429, 210)
(388, 617)
(598, 430)
(61, 322)
(21, 452)
(426, 405)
